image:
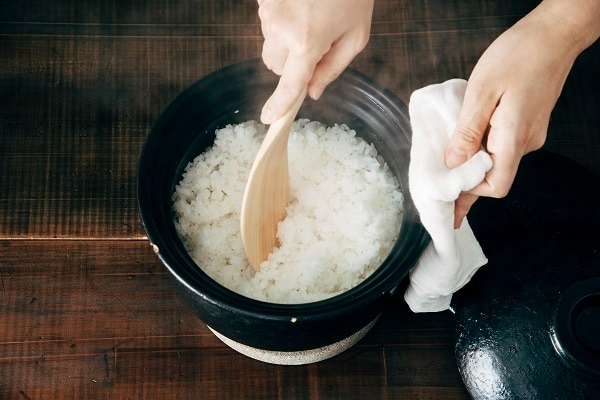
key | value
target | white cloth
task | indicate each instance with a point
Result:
(453, 256)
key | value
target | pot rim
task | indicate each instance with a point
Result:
(412, 237)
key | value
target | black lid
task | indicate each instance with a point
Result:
(527, 325)
(575, 329)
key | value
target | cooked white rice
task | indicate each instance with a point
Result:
(342, 222)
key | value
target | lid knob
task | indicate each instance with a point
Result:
(575, 330)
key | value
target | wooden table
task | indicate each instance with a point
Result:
(86, 308)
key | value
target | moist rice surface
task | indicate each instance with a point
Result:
(342, 222)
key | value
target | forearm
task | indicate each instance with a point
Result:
(576, 23)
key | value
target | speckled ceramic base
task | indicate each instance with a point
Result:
(297, 357)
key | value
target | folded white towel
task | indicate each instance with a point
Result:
(453, 256)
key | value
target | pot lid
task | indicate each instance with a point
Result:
(528, 323)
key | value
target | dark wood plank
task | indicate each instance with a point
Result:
(71, 135)
(73, 118)
(157, 367)
(151, 12)
(79, 290)
(86, 309)
(79, 315)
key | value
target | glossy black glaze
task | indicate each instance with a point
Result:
(542, 278)
(236, 94)
(575, 328)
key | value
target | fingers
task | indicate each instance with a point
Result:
(300, 72)
(462, 205)
(274, 55)
(334, 62)
(515, 130)
(499, 179)
(502, 144)
(309, 44)
(472, 130)
(295, 76)
(472, 125)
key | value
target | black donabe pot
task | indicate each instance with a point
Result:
(187, 127)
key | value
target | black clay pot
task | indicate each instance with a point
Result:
(187, 127)
(528, 324)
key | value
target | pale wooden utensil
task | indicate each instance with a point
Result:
(267, 192)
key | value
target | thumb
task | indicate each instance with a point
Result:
(465, 142)
(470, 130)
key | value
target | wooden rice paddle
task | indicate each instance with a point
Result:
(267, 192)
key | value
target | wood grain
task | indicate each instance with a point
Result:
(86, 309)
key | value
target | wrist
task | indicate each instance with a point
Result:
(576, 23)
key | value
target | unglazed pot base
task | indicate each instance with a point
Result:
(297, 357)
